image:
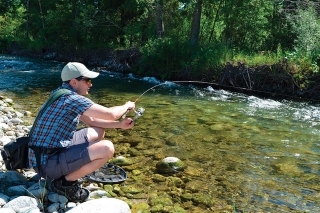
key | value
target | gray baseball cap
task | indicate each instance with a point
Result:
(75, 70)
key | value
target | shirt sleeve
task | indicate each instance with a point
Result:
(78, 103)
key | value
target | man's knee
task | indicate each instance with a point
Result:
(102, 149)
(108, 146)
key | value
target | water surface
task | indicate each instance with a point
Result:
(258, 155)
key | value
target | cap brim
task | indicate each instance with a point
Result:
(90, 74)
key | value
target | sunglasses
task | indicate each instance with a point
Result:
(87, 80)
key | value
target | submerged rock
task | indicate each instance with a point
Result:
(121, 161)
(170, 165)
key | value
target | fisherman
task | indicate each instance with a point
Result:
(82, 151)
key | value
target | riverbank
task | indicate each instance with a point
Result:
(274, 81)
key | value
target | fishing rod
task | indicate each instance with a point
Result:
(167, 83)
(141, 110)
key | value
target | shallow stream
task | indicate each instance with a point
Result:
(243, 153)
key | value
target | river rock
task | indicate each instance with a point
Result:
(6, 210)
(19, 114)
(21, 203)
(27, 113)
(3, 199)
(8, 100)
(121, 161)
(4, 140)
(4, 126)
(102, 205)
(11, 178)
(170, 165)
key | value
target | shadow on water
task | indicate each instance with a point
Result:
(259, 155)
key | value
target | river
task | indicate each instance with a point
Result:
(243, 153)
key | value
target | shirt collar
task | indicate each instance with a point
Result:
(67, 86)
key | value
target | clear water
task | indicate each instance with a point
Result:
(258, 155)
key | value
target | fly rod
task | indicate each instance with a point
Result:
(141, 110)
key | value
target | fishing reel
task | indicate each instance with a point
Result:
(139, 112)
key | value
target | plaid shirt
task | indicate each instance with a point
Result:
(56, 126)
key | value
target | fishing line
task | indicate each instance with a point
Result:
(141, 110)
(149, 90)
(252, 91)
(201, 82)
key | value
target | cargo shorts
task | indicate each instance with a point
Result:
(70, 159)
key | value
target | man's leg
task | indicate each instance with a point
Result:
(92, 157)
(99, 152)
(90, 134)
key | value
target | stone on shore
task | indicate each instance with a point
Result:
(102, 205)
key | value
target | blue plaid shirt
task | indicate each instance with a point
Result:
(57, 124)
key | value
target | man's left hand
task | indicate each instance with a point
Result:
(127, 123)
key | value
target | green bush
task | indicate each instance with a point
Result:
(174, 59)
(306, 26)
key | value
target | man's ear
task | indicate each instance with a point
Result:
(73, 82)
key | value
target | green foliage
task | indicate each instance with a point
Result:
(306, 25)
(247, 24)
(306, 55)
(9, 6)
(301, 68)
(256, 59)
(170, 58)
(9, 26)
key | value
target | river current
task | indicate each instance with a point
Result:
(243, 153)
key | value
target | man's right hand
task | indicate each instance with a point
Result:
(130, 105)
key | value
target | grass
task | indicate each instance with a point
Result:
(262, 58)
(234, 208)
(41, 200)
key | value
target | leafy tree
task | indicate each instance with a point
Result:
(306, 25)
(11, 17)
(9, 6)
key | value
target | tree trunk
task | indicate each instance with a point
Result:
(122, 25)
(195, 27)
(215, 21)
(159, 20)
(27, 18)
(42, 20)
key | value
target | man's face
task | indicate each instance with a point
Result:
(83, 85)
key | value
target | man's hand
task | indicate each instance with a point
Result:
(130, 105)
(127, 123)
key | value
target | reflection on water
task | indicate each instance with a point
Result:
(258, 154)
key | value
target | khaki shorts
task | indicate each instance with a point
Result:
(70, 159)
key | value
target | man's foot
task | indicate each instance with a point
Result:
(74, 193)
